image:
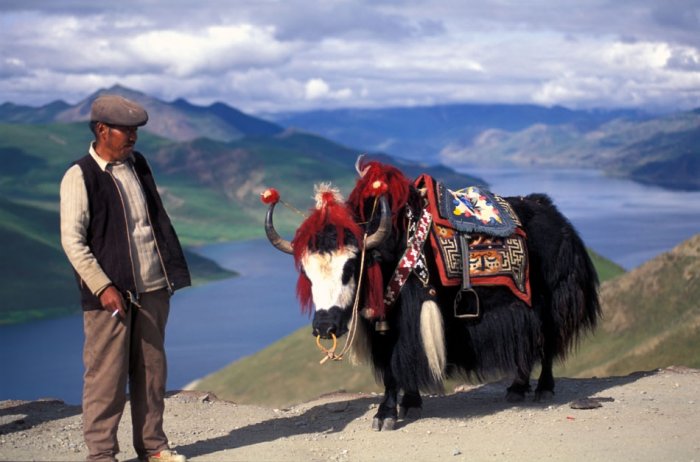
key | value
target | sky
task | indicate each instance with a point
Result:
(264, 56)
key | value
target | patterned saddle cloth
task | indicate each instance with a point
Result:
(497, 243)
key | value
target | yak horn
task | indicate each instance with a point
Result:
(357, 165)
(275, 239)
(382, 232)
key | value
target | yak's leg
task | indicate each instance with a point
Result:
(520, 386)
(386, 416)
(411, 406)
(545, 384)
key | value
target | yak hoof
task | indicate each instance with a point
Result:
(387, 424)
(543, 395)
(515, 396)
(516, 392)
(411, 413)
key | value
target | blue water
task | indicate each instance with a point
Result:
(213, 325)
(625, 221)
(209, 327)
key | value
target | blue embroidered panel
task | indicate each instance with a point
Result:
(476, 210)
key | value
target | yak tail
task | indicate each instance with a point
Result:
(574, 308)
(433, 338)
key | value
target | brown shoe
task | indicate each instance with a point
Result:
(167, 455)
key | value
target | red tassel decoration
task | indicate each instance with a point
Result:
(375, 290)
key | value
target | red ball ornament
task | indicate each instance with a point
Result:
(379, 188)
(270, 196)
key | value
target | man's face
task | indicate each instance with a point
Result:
(116, 142)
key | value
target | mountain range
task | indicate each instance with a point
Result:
(178, 120)
(662, 150)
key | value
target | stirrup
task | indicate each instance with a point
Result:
(458, 300)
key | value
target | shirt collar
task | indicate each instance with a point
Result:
(103, 164)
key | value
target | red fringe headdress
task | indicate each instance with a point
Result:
(330, 210)
(376, 179)
(397, 188)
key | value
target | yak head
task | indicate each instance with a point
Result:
(327, 249)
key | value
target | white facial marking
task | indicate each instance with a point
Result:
(325, 270)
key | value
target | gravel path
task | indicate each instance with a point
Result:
(642, 417)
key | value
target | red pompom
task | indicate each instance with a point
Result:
(270, 196)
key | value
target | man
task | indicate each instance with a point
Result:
(128, 261)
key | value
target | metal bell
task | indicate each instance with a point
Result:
(381, 326)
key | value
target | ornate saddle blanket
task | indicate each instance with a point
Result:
(497, 244)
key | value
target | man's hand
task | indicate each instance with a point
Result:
(113, 301)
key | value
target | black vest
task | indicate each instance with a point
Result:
(108, 236)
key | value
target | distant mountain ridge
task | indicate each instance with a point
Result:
(423, 132)
(660, 150)
(179, 120)
(15, 114)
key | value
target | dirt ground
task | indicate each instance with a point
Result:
(650, 416)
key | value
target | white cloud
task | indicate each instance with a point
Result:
(214, 49)
(637, 56)
(299, 54)
(318, 89)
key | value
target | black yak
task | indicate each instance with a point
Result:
(376, 264)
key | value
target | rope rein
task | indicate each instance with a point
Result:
(330, 353)
(292, 208)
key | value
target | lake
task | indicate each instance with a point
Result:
(209, 327)
(213, 325)
(624, 221)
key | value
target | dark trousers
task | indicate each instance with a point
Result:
(118, 351)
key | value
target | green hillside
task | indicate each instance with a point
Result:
(651, 318)
(288, 371)
(39, 281)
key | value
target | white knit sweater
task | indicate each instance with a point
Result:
(75, 218)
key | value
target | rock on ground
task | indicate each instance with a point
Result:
(642, 417)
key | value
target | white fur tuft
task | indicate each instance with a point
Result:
(433, 337)
(322, 188)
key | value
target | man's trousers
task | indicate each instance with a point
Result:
(116, 352)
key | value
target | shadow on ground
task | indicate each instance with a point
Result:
(334, 417)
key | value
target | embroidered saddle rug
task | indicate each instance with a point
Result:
(497, 243)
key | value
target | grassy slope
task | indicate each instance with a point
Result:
(651, 318)
(40, 280)
(29, 235)
(288, 371)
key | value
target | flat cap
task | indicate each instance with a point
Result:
(117, 110)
